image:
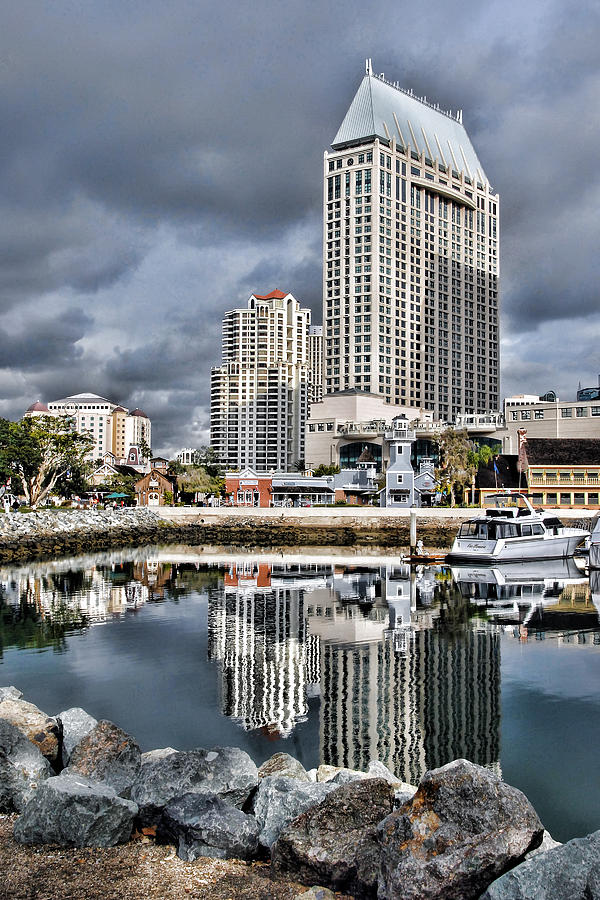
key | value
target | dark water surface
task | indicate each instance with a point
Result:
(334, 659)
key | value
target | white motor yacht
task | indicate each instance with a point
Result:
(511, 529)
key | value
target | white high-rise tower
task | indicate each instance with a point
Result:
(411, 259)
(259, 396)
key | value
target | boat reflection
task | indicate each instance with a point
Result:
(554, 596)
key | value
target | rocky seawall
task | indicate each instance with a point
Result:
(48, 533)
(460, 833)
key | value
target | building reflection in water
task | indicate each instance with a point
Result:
(257, 631)
(405, 664)
(401, 680)
(41, 603)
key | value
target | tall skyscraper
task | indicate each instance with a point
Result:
(259, 396)
(315, 362)
(410, 256)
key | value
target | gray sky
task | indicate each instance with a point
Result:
(161, 161)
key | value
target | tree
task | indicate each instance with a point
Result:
(39, 451)
(196, 480)
(207, 458)
(325, 470)
(145, 449)
(175, 467)
(457, 464)
(476, 457)
(124, 484)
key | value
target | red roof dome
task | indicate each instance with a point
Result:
(139, 412)
(119, 409)
(38, 406)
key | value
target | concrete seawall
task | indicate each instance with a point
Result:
(44, 534)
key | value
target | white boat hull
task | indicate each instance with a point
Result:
(550, 546)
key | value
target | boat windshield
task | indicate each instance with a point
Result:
(481, 530)
(507, 501)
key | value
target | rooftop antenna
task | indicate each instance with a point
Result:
(368, 67)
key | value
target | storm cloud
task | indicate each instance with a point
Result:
(160, 162)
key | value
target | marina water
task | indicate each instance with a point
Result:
(334, 658)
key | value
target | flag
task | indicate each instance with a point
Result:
(496, 468)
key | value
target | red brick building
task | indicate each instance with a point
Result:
(150, 490)
(248, 488)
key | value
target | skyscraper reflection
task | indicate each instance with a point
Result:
(403, 675)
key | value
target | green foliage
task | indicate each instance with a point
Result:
(208, 459)
(175, 467)
(145, 449)
(197, 480)
(123, 484)
(40, 451)
(457, 466)
(460, 459)
(325, 470)
(168, 498)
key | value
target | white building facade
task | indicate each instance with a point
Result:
(411, 257)
(113, 428)
(260, 394)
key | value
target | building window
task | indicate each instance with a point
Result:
(566, 412)
(514, 415)
(595, 410)
(592, 499)
(526, 414)
(538, 414)
(311, 427)
(580, 412)
(551, 499)
(537, 499)
(565, 499)
(578, 499)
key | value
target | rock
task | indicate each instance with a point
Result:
(75, 811)
(40, 729)
(76, 725)
(107, 754)
(571, 870)
(335, 844)
(152, 755)
(225, 771)
(10, 693)
(22, 768)
(205, 825)
(339, 774)
(325, 773)
(280, 799)
(462, 829)
(283, 764)
(378, 770)
(316, 893)
(345, 776)
(548, 843)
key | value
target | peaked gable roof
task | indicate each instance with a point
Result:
(384, 110)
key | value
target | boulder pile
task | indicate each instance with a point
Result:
(461, 833)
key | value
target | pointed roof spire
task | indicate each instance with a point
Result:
(384, 110)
